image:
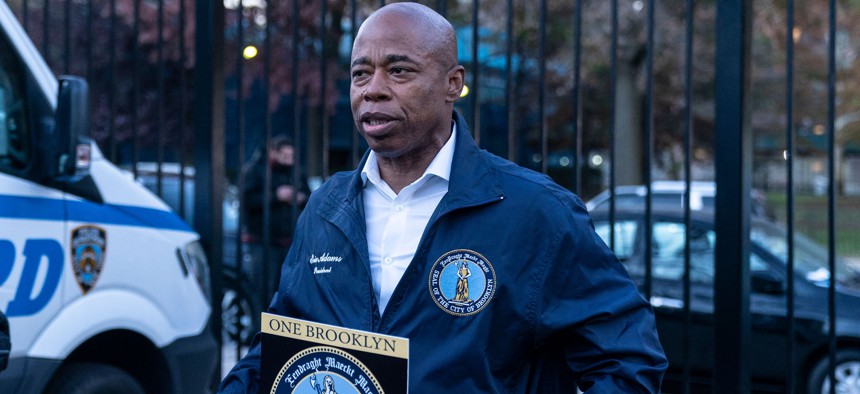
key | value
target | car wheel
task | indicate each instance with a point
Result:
(237, 313)
(846, 375)
(93, 378)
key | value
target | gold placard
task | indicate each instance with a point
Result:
(300, 356)
(364, 341)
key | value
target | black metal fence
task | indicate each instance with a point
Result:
(736, 119)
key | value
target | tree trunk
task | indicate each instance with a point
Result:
(628, 128)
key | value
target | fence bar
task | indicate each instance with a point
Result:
(354, 153)
(733, 157)
(649, 148)
(25, 14)
(135, 89)
(112, 83)
(67, 40)
(509, 78)
(46, 21)
(688, 178)
(161, 98)
(266, 157)
(208, 148)
(324, 120)
(297, 109)
(89, 49)
(442, 7)
(544, 138)
(476, 106)
(831, 196)
(613, 77)
(240, 178)
(183, 92)
(790, 380)
(577, 92)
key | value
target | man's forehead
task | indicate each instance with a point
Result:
(399, 33)
(393, 18)
(359, 59)
(392, 37)
(389, 47)
(396, 26)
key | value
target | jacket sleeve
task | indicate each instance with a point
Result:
(245, 375)
(589, 303)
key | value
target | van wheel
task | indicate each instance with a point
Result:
(846, 376)
(93, 378)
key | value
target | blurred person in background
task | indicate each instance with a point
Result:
(285, 193)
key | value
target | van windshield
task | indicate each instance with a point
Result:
(14, 144)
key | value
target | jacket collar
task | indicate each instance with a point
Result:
(473, 181)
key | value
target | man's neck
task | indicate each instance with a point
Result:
(399, 172)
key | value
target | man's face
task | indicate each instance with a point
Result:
(400, 95)
(284, 155)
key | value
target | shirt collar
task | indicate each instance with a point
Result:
(440, 166)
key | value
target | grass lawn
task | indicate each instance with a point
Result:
(810, 218)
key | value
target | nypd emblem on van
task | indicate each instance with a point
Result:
(89, 244)
(462, 282)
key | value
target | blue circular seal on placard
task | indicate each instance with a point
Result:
(325, 370)
(462, 282)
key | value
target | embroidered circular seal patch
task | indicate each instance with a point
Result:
(462, 282)
(323, 369)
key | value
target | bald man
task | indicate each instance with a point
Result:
(492, 271)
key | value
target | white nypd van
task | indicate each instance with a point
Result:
(104, 287)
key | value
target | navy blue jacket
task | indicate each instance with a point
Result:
(546, 305)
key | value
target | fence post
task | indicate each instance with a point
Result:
(733, 153)
(209, 148)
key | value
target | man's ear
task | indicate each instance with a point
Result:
(456, 79)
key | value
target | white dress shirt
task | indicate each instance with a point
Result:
(396, 222)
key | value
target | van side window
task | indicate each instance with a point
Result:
(14, 140)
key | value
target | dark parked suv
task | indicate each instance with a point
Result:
(767, 302)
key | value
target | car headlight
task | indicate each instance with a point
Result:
(192, 259)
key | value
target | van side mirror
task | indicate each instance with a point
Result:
(71, 156)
